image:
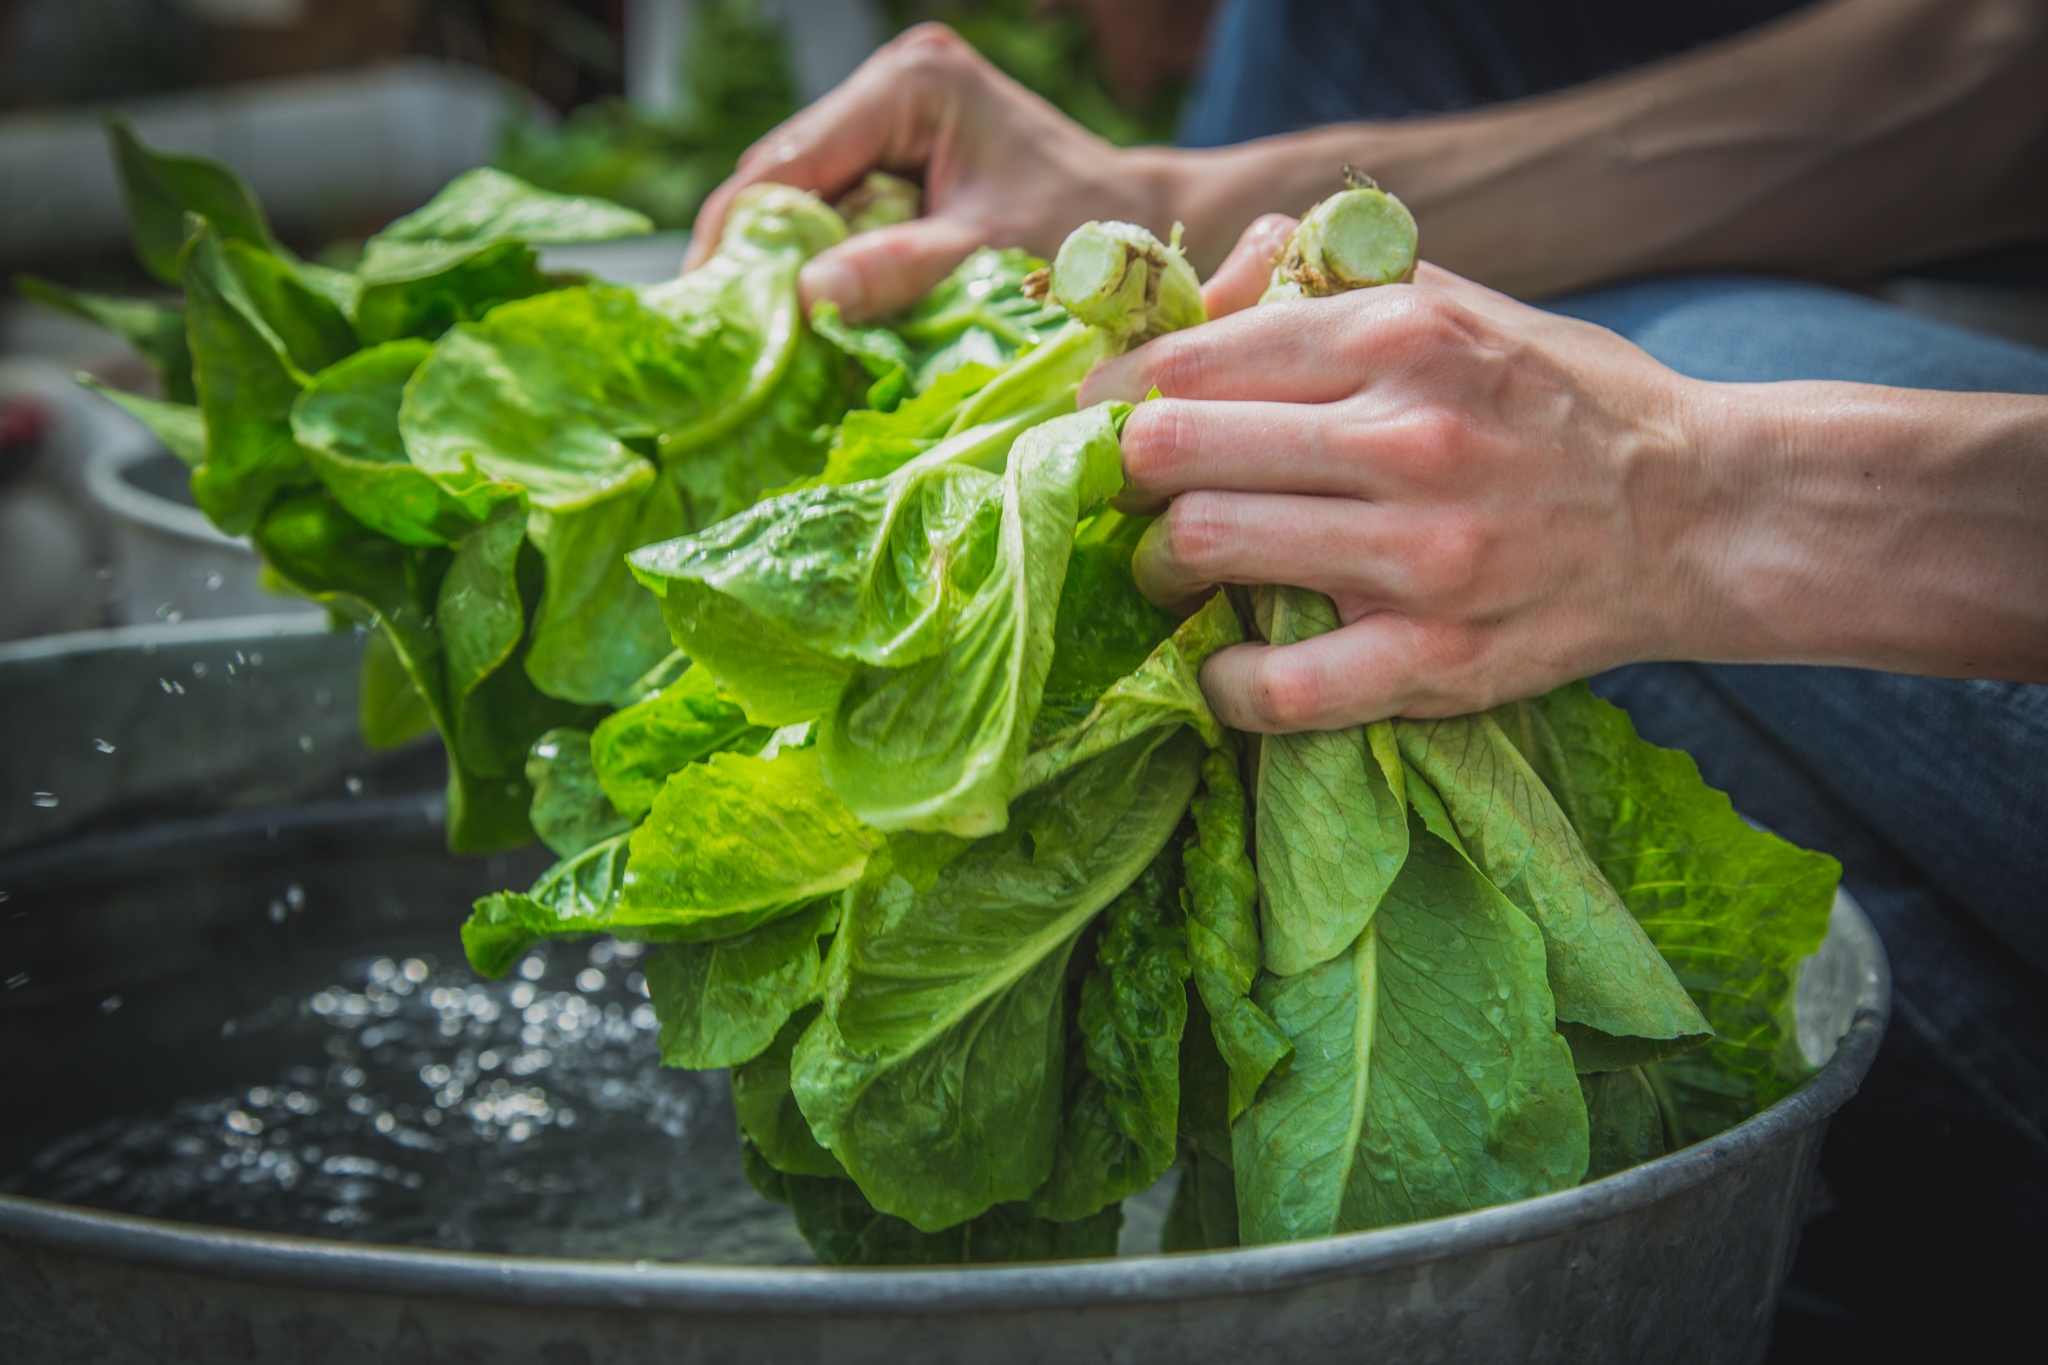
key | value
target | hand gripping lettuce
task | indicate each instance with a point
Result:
(912, 615)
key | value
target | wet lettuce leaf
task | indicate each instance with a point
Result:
(576, 896)
(257, 336)
(735, 842)
(913, 615)
(346, 424)
(1625, 1126)
(569, 812)
(156, 330)
(723, 1002)
(1223, 931)
(636, 748)
(1617, 999)
(1332, 817)
(935, 1072)
(978, 315)
(629, 416)
(1733, 909)
(1118, 1133)
(468, 250)
(1428, 1078)
(180, 426)
(160, 188)
(769, 1120)
(843, 1228)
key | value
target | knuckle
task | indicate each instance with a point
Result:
(1201, 533)
(932, 53)
(1432, 439)
(1175, 367)
(1286, 692)
(1448, 560)
(1153, 440)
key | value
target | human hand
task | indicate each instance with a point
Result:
(1498, 500)
(999, 165)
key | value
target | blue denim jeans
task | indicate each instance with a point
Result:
(1932, 1232)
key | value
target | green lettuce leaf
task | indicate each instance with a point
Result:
(1163, 690)
(1122, 1113)
(871, 444)
(1223, 931)
(483, 209)
(1331, 815)
(570, 812)
(1625, 1127)
(722, 1002)
(629, 416)
(769, 1120)
(1617, 1000)
(635, 749)
(735, 842)
(576, 896)
(160, 188)
(1427, 1077)
(390, 707)
(935, 1072)
(1203, 1215)
(978, 315)
(155, 330)
(318, 549)
(1104, 631)
(1732, 908)
(463, 292)
(346, 423)
(180, 426)
(843, 1228)
(914, 614)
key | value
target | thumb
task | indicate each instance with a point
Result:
(885, 271)
(1248, 269)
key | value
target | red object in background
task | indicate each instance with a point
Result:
(22, 424)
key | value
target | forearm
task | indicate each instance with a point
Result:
(1852, 524)
(1854, 136)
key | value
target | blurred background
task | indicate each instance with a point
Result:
(344, 114)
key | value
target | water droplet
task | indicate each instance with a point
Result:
(590, 979)
(414, 969)
(295, 897)
(532, 968)
(110, 1004)
(354, 785)
(385, 1123)
(17, 981)
(43, 800)
(255, 658)
(305, 744)
(103, 746)
(323, 698)
(198, 669)
(214, 580)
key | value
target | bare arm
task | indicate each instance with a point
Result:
(1851, 137)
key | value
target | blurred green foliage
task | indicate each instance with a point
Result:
(738, 85)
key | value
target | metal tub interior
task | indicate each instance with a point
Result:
(1680, 1259)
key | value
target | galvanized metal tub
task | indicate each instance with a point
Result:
(1677, 1260)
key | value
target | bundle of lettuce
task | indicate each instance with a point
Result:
(814, 654)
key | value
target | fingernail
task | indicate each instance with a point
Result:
(825, 278)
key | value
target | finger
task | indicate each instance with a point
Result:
(1351, 676)
(1349, 549)
(1248, 269)
(1173, 446)
(875, 119)
(885, 271)
(1296, 352)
